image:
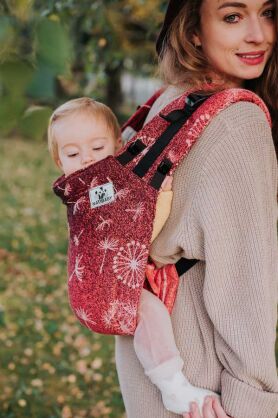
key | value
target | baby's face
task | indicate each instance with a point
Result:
(82, 140)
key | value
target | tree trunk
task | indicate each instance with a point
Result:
(114, 94)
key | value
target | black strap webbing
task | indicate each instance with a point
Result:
(156, 149)
(177, 119)
(184, 264)
(131, 152)
(161, 172)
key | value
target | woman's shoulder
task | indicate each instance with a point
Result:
(167, 96)
(238, 134)
(242, 114)
(248, 130)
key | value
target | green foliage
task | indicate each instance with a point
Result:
(42, 86)
(7, 37)
(51, 51)
(11, 110)
(53, 46)
(34, 50)
(14, 76)
(34, 120)
(21, 9)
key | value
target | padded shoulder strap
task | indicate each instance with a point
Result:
(183, 139)
(136, 121)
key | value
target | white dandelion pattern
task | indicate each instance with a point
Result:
(198, 126)
(76, 238)
(82, 314)
(173, 157)
(78, 269)
(121, 194)
(129, 263)
(147, 140)
(120, 316)
(104, 223)
(107, 245)
(81, 181)
(77, 204)
(66, 190)
(138, 210)
(94, 182)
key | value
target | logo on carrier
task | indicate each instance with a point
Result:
(102, 195)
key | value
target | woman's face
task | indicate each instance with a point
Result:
(237, 37)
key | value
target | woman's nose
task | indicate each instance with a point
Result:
(255, 32)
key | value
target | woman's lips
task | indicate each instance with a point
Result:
(252, 58)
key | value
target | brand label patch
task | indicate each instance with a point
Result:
(102, 195)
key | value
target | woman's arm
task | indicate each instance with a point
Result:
(236, 211)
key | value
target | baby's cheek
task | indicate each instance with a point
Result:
(71, 167)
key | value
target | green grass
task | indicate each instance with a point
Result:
(50, 366)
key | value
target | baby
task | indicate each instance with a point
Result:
(82, 132)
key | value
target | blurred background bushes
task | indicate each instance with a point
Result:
(51, 51)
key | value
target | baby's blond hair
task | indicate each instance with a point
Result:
(82, 104)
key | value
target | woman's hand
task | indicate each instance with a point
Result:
(211, 409)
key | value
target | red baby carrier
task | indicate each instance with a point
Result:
(111, 208)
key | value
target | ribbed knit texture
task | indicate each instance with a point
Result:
(224, 213)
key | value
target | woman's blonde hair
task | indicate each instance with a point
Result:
(75, 106)
(181, 62)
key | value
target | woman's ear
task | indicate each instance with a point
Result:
(196, 40)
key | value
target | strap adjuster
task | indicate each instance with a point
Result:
(173, 116)
(136, 147)
(161, 172)
(131, 152)
(165, 166)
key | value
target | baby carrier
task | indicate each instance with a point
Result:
(111, 207)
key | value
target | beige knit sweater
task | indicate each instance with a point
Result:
(224, 213)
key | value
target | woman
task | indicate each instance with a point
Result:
(223, 213)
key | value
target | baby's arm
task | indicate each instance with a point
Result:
(163, 206)
(155, 347)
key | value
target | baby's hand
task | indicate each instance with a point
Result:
(167, 184)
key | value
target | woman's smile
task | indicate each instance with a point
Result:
(252, 58)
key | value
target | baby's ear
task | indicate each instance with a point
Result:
(59, 164)
(119, 143)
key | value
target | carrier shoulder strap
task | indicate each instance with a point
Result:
(176, 128)
(136, 121)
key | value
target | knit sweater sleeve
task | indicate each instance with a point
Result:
(235, 210)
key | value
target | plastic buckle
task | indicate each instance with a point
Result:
(173, 116)
(194, 99)
(136, 147)
(165, 166)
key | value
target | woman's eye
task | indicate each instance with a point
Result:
(269, 13)
(72, 155)
(232, 18)
(98, 149)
